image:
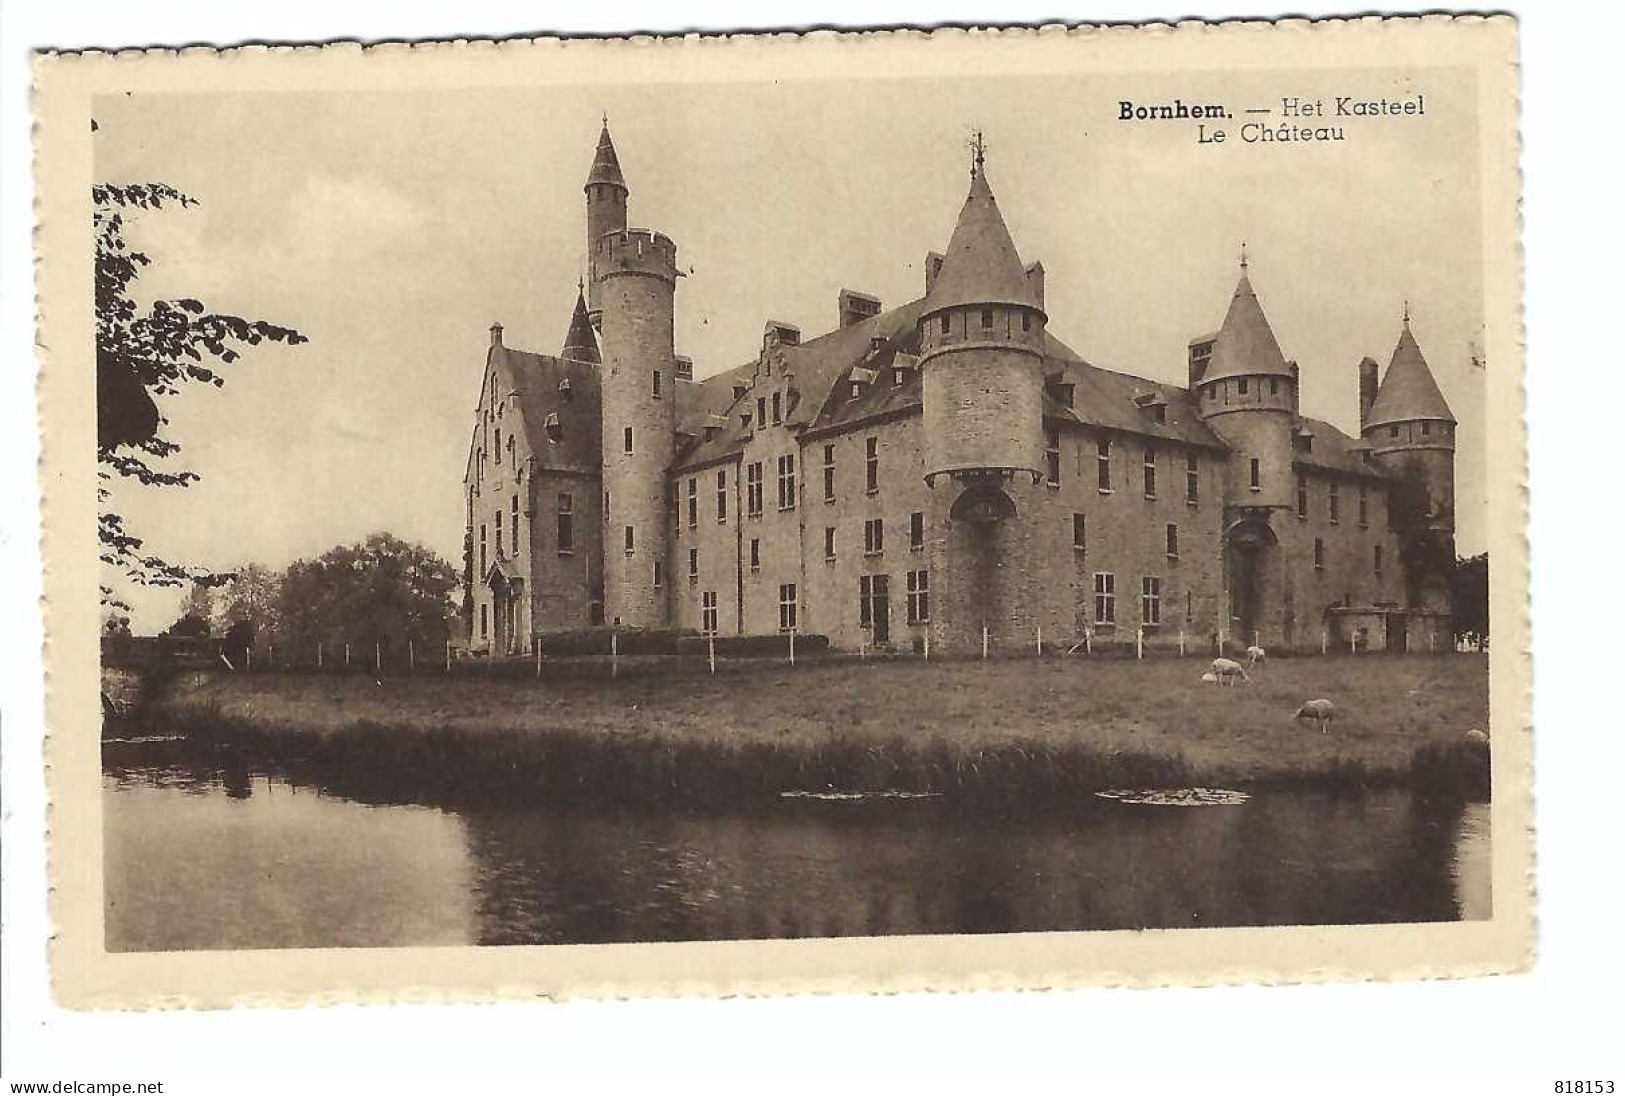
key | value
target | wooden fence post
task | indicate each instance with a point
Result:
(448, 656)
(614, 654)
(984, 643)
(318, 656)
(346, 655)
(1040, 641)
(928, 644)
(1139, 642)
(378, 656)
(711, 650)
(1182, 643)
(792, 646)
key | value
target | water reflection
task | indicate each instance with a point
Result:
(216, 856)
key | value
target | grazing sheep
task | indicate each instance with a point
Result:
(1255, 655)
(1477, 737)
(1225, 669)
(1321, 711)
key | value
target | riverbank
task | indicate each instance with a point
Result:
(1000, 729)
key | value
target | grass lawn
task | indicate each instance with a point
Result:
(1387, 707)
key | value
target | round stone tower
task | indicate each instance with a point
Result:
(1247, 395)
(606, 194)
(982, 355)
(1412, 435)
(636, 284)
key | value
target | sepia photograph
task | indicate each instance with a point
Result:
(940, 500)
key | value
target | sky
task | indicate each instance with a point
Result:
(393, 228)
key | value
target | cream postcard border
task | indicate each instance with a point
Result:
(86, 976)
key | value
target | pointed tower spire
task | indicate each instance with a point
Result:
(1245, 345)
(981, 265)
(1408, 390)
(606, 166)
(579, 342)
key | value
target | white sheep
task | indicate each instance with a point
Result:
(1255, 655)
(1210, 676)
(1228, 670)
(1321, 711)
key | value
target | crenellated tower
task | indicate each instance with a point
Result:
(1246, 396)
(606, 193)
(636, 280)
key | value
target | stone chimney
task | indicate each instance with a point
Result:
(683, 367)
(496, 334)
(1292, 367)
(1368, 389)
(856, 307)
(933, 267)
(1200, 352)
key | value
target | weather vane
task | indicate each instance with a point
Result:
(978, 148)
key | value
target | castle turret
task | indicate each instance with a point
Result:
(636, 279)
(981, 351)
(606, 193)
(1247, 399)
(1413, 438)
(579, 342)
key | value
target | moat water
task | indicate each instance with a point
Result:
(205, 857)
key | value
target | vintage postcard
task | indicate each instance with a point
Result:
(871, 511)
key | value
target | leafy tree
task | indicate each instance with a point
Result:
(382, 591)
(251, 597)
(115, 622)
(468, 583)
(196, 615)
(142, 355)
(1470, 596)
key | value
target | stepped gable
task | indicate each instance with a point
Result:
(580, 344)
(981, 265)
(1245, 345)
(535, 378)
(606, 166)
(1408, 390)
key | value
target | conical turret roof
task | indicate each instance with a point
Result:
(579, 342)
(1245, 345)
(1408, 390)
(981, 265)
(606, 166)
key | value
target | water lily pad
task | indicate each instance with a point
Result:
(1176, 797)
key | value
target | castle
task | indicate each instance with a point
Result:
(942, 471)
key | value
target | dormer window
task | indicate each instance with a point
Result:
(987, 319)
(897, 377)
(551, 427)
(1159, 414)
(857, 390)
(739, 391)
(565, 394)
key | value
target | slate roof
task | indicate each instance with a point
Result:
(1245, 345)
(534, 378)
(1332, 450)
(1408, 390)
(580, 344)
(606, 166)
(981, 265)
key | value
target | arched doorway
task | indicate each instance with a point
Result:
(1250, 550)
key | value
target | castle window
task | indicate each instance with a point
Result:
(1026, 321)
(916, 531)
(1159, 415)
(693, 564)
(945, 323)
(874, 591)
(606, 507)
(919, 596)
(1254, 480)
(871, 465)
(1212, 391)
(1320, 554)
(708, 612)
(829, 473)
(753, 489)
(755, 553)
(482, 549)
(1275, 386)
(857, 390)
(1376, 558)
(739, 392)
(654, 384)
(1393, 431)
(1052, 458)
(1080, 533)
(1173, 541)
(787, 607)
(987, 319)
(693, 502)
(631, 540)
(1426, 428)
(722, 496)
(498, 445)
(1103, 465)
(660, 575)
(514, 516)
(829, 542)
(1331, 500)
(1241, 386)
(1105, 598)
(1364, 506)
(1150, 472)
(567, 524)
(874, 536)
(1303, 497)
(551, 427)
(511, 451)
(1151, 601)
(761, 412)
(595, 604)
(497, 521)
(626, 441)
(778, 413)
(484, 621)
(897, 378)
(1193, 479)
(787, 482)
